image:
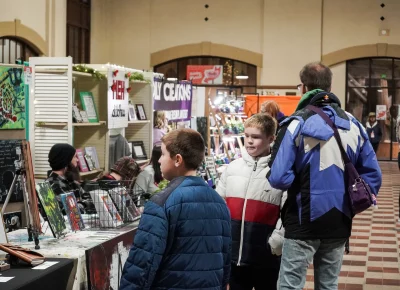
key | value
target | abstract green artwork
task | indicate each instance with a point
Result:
(12, 98)
(51, 208)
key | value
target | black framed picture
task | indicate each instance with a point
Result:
(140, 112)
(138, 151)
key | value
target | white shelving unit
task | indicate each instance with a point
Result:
(55, 86)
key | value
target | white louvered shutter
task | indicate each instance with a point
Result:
(51, 104)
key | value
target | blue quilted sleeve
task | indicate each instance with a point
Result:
(367, 164)
(147, 250)
(283, 157)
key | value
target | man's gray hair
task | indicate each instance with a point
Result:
(316, 75)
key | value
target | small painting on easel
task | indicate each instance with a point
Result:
(51, 208)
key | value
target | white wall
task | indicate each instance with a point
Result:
(339, 82)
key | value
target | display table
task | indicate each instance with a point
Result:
(26, 278)
(112, 245)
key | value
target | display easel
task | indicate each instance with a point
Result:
(25, 172)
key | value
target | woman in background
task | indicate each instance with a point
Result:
(160, 127)
(151, 176)
(272, 108)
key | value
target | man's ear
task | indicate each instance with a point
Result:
(178, 160)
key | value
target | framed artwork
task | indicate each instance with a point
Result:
(81, 161)
(124, 204)
(91, 151)
(84, 117)
(50, 205)
(108, 213)
(132, 113)
(138, 150)
(72, 211)
(76, 114)
(140, 112)
(89, 106)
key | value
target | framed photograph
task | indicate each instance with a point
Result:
(132, 113)
(89, 106)
(84, 117)
(140, 112)
(138, 151)
(92, 153)
(76, 114)
(81, 161)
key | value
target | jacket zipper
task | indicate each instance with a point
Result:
(244, 214)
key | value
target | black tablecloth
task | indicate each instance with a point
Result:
(54, 278)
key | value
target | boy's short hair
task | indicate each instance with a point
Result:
(188, 143)
(266, 123)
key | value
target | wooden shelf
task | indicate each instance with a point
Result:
(139, 122)
(90, 172)
(88, 124)
(140, 162)
(44, 124)
(81, 74)
(138, 82)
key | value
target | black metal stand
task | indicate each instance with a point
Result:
(33, 234)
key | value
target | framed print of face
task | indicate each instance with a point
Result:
(141, 112)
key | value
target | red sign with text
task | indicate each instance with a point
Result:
(205, 74)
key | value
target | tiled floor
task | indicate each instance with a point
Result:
(373, 262)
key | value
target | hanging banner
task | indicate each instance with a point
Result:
(173, 98)
(205, 74)
(118, 103)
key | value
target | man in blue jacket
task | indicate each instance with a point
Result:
(307, 162)
(184, 236)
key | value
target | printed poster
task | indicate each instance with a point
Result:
(12, 98)
(118, 99)
(173, 98)
(205, 74)
(381, 112)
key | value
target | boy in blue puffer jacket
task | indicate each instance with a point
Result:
(184, 236)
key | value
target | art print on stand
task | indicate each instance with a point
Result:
(81, 161)
(108, 213)
(50, 205)
(89, 106)
(72, 211)
(140, 112)
(124, 204)
(12, 98)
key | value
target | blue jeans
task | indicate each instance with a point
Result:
(297, 255)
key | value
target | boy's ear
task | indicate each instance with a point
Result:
(272, 139)
(178, 160)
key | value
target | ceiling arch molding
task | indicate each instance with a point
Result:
(206, 49)
(17, 29)
(362, 51)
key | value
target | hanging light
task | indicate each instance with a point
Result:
(242, 76)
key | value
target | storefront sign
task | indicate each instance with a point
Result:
(118, 102)
(205, 74)
(173, 98)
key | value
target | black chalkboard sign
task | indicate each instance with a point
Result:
(10, 161)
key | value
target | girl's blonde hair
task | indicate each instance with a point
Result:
(159, 119)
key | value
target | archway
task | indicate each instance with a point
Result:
(17, 30)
